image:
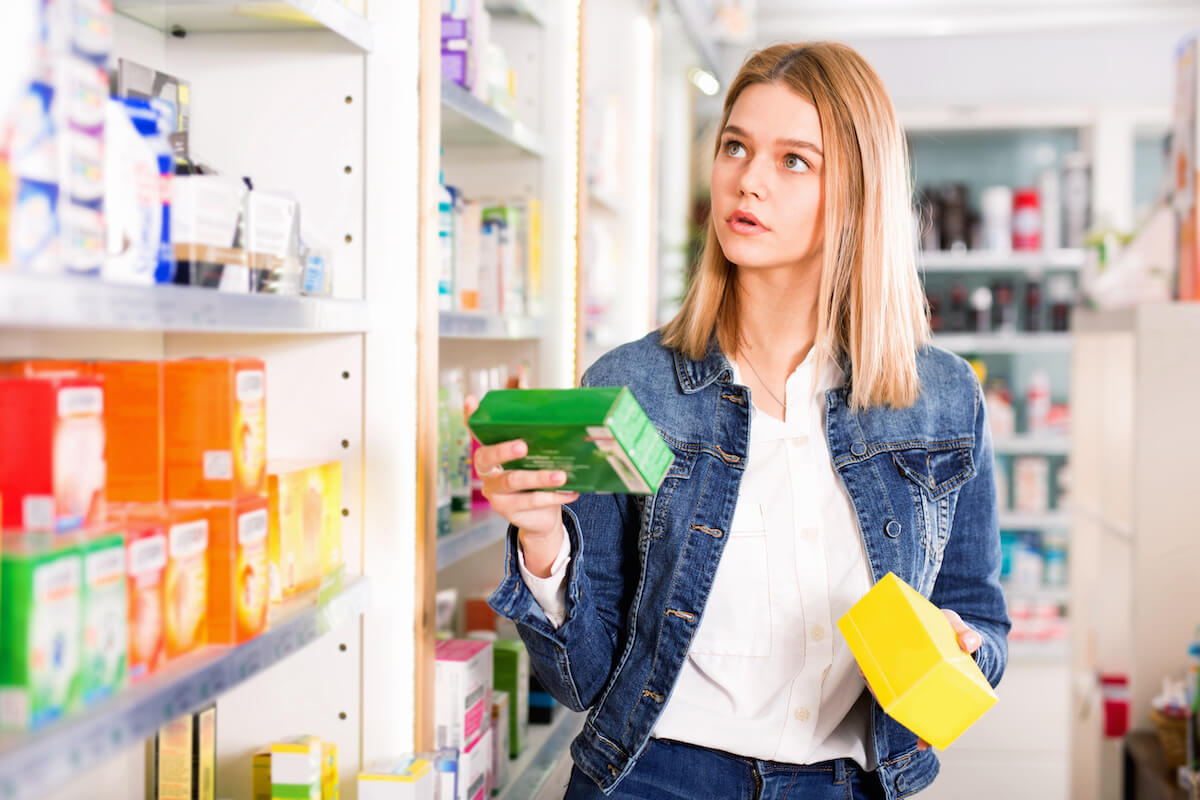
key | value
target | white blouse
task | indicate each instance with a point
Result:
(768, 674)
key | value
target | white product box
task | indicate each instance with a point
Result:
(475, 770)
(405, 779)
(463, 685)
(500, 734)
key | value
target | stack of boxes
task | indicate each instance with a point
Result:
(463, 712)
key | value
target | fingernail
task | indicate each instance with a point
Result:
(560, 477)
(972, 641)
(519, 448)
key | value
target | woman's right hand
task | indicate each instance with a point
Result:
(513, 494)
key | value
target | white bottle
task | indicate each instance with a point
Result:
(446, 246)
(1037, 401)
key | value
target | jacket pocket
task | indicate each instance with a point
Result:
(938, 471)
(737, 617)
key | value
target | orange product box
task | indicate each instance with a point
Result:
(52, 470)
(45, 368)
(185, 581)
(306, 524)
(133, 423)
(146, 563)
(237, 570)
(215, 428)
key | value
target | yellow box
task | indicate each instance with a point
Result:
(911, 659)
(305, 540)
(329, 771)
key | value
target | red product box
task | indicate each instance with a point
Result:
(52, 462)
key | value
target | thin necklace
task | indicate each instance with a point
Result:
(746, 356)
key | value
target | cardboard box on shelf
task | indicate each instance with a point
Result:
(105, 606)
(133, 424)
(911, 659)
(463, 692)
(185, 575)
(305, 544)
(237, 570)
(403, 779)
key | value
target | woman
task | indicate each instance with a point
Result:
(819, 443)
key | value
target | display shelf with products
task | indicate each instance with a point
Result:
(33, 764)
(474, 325)
(83, 303)
(1032, 444)
(547, 746)
(482, 528)
(468, 121)
(1001, 261)
(179, 17)
(1025, 521)
(531, 10)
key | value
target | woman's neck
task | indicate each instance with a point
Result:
(777, 318)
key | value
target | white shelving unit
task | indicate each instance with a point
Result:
(1022, 521)
(970, 261)
(532, 776)
(985, 343)
(467, 537)
(499, 327)
(273, 85)
(467, 121)
(1033, 444)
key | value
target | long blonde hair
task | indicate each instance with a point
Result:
(871, 306)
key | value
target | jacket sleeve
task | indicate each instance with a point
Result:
(574, 660)
(969, 579)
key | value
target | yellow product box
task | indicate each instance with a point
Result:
(403, 779)
(329, 771)
(911, 659)
(288, 770)
(305, 538)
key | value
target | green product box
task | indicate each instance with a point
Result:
(41, 615)
(105, 616)
(599, 436)
(510, 673)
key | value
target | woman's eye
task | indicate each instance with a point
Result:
(795, 163)
(734, 149)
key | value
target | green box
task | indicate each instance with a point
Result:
(105, 616)
(510, 673)
(41, 615)
(599, 436)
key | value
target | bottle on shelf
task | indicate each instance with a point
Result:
(1027, 220)
(1062, 296)
(1033, 306)
(445, 246)
(955, 217)
(981, 310)
(956, 320)
(1037, 401)
(996, 203)
(1004, 307)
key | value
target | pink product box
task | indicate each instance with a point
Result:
(463, 686)
(476, 779)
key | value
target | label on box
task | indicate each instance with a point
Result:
(104, 566)
(252, 527)
(56, 580)
(189, 538)
(37, 511)
(80, 401)
(218, 465)
(148, 555)
(250, 385)
(473, 714)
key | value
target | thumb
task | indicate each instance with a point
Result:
(469, 406)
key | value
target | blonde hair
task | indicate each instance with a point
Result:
(870, 306)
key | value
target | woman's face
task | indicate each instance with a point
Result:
(767, 196)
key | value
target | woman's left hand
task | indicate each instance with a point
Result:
(968, 640)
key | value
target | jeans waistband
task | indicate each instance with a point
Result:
(841, 768)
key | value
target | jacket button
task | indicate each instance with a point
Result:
(900, 783)
(858, 449)
(892, 529)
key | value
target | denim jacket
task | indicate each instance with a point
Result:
(921, 485)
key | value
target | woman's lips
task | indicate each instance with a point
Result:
(744, 227)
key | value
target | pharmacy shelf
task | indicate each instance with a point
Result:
(77, 303)
(1016, 520)
(1000, 343)
(534, 11)
(483, 528)
(473, 325)
(244, 16)
(467, 121)
(1034, 444)
(33, 764)
(1042, 595)
(546, 746)
(1030, 651)
(697, 23)
(992, 261)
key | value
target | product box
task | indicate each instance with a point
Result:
(185, 579)
(599, 436)
(41, 615)
(475, 769)
(206, 222)
(911, 660)
(296, 768)
(105, 606)
(1185, 165)
(171, 756)
(500, 738)
(216, 428)
(133, 424)
(137, 81)
(146, 564)
(511, 661)
(52, 469)
(204, 753)
(138, 168)
(405, 779)
(541, 702)
(271, 240)
(306, 524)
(237, 570)
(46, 368)
(329, 772)
(463, 692)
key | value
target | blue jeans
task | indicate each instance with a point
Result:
(670, 770)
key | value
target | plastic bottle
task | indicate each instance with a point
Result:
(1037, 401)
(446, 246)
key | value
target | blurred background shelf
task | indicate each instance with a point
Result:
(245, 16)
(991, 261)
(1016, 520)
(1042, 444)
(534, 11)
(548, 745)
(32, 764)
(471, 325)
(76, 303)
(484, 527)
(469, 122)
(997, 343)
